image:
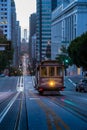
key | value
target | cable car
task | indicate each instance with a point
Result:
(49, 76)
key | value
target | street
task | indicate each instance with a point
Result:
(22, 108)
(43, 65)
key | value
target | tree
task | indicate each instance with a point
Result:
(3, 39)
(6, 56)
(77, 51)
(63, 58)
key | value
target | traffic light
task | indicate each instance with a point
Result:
(66, 61)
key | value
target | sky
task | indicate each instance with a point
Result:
(24, 8)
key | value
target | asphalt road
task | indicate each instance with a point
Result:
(22, 108)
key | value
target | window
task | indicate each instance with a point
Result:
(43, 71)
(5, 30)
(51, 71)
(59, 71)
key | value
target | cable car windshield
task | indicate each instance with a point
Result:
(51, 71)
(43, 71)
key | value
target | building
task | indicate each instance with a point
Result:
(25, 34)
(34, 47)
(24, 46)
(13, 31)
(15, 34)
(8, 24)
(32, 32)
(43, 35)
(18, 42)
(5, 17)
(69, 20)
(1, 32)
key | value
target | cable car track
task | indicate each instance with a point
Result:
(69, 107)
(13, 108)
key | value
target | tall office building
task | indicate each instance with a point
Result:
(8, 23)
(32, 32)
(18, 42)
(25, 34)
(13, 31)
(5, 17)
(69, 21)
(1, 32)
(43, 35)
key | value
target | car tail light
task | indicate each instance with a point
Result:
(62, 89)
(40, 89)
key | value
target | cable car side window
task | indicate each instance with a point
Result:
(51, 71)
(59, 71)
(43, 71)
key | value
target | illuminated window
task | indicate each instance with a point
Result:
(59, 71)
(43, 71)
(51, 71)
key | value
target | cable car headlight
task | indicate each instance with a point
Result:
(51, 83)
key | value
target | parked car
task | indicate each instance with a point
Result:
(82, 85)
(2, 75)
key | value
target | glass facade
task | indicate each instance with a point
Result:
(44, 9)
(5, 17)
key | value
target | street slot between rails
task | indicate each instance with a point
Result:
(20, 88)
(22, 106)
(17, 123)
(53, 120)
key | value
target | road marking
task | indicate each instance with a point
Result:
(34, 98)
(52, 118)
(6, 109)
(72, 82)
(20, 84)
(31, 89)
(50, 113)
(29, 82)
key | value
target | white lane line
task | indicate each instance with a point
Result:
(17, 83)
(30, 82)
(72, 82)
(20, 84)
(33, 98)
(5, 111)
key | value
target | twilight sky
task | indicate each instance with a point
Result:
(24, 8)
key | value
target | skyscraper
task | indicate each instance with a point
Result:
(25, 34)
(44, 9)
(8, 24)
(32, 30)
